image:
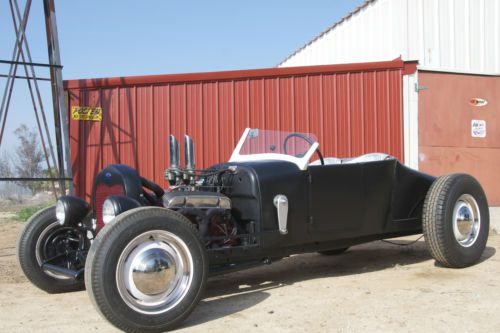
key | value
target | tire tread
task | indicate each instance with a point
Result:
(95, 289)
(25, 261)
(434, 224)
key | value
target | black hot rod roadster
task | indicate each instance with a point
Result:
(144, 253)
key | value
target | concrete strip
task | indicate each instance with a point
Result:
(495, 219)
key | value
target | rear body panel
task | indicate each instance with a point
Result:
(330, 206)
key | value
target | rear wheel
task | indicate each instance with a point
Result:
(456, 220)
(147, 270)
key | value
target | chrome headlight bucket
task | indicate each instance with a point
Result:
(115, 205)
(71, 210)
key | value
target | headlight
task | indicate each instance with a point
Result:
(71, 210)
(60, 213)
(108, 211)
(115, 205)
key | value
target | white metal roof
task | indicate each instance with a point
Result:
(451, 35)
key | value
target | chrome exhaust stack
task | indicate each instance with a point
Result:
(174, 153)
(189, 153)
(174, 173)
(189, 160)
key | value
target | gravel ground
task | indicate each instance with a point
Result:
(373, 287)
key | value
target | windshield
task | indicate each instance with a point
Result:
(259, 144)
(260, 141)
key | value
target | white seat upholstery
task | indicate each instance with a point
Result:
(328, 161)
(371, 157)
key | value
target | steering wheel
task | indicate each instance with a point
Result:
(305, 138)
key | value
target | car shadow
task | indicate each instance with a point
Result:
(487, 254)
(211, 309)
(226, 295)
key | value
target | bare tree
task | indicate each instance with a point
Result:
(8, 189)
(5, 166)
(29, 157)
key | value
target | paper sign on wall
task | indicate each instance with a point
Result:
(478, 128)
(86, 113)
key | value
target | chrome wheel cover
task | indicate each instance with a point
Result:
(466, 220)
(154, 272)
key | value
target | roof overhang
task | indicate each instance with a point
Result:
(407, 67)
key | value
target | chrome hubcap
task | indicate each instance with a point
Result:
(466, 220)
(154, 272)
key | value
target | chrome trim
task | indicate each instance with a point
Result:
(174, 153)
(281, 203)
(466, 220)
(189, 159)
(154, 272)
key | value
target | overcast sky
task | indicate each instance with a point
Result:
(129, 37)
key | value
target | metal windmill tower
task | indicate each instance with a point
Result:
(56, 156)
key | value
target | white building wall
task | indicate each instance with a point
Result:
(443, 35)
(410, 120)
(448, 35)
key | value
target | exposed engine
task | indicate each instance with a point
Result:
(199, 195)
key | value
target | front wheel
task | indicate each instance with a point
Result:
(44, 240)
(455, 220)
(147, 270)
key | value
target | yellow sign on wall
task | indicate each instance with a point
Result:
(86, 113)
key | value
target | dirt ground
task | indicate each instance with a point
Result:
(374, 287)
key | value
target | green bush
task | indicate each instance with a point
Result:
(26, 212)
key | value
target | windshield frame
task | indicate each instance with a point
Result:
(301, 162)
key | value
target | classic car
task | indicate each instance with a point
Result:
(144, 253)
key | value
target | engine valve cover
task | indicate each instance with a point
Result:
(199, 199)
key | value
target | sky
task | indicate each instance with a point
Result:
(121, 38)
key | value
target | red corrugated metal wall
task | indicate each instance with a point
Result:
(353, 109)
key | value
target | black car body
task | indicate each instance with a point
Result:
(150, 250)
